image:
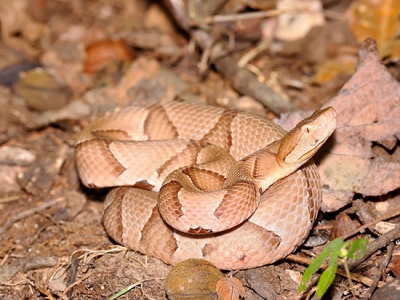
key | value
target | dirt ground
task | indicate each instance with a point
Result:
(65, 63)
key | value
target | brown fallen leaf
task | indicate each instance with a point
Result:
(361, 156)
(230, 288)
(330, 68)
(395, 266)
(368, 108)
(100, 53)
(342, 226)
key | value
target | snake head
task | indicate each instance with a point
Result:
(303, 141)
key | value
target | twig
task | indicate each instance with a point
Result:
(72, 275)
(339, 16)
(389, 215)
(242, 80)
(64, 295)
(262, 46)
(28, 213)
(239, 17)
(247, 83)
(24, 265)
(94, 253)
(380, 270)
(10, 198)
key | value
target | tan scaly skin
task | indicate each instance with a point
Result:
(232, 170)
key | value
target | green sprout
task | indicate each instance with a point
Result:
(339, 252)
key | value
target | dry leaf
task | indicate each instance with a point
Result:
(141, 69)
(378, 19)
(368, 109)
(100, 53)
(392, 49)
(230, 288)
(330, 68)
(65, 62)
(295, 24)
(342, 225)
(361, 156)
(395, 266)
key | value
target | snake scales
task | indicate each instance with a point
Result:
(240, 190)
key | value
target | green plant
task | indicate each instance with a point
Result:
(339, 253)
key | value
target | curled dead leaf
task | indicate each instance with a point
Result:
(230, 288)
(343, 225)
(100, 53)
(395, 266)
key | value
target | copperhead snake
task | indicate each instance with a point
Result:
(240, 191)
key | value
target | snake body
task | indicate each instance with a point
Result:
(239, 190)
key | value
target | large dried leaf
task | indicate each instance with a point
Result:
(362, 157)
(368, 109)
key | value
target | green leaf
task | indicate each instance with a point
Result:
(334, 256)
(336, 244)
(358, 249)
(326, 280)
(312, 268)
(332, 248)
(335, 249)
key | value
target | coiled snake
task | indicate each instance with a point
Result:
(240, 191)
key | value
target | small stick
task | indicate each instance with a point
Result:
(28, 213)
(241, 16)
(379, 273)
(386, 216)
